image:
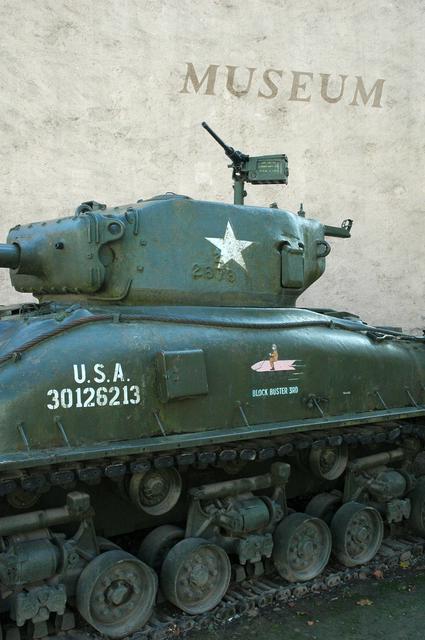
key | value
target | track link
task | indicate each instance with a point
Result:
(256, 592)
(41, 479)
(265, 591)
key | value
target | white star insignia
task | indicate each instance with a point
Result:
(230, 247)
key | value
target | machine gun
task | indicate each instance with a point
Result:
(253, 169)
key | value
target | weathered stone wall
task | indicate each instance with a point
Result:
(102, 99)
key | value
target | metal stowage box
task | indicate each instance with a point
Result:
(182, 374)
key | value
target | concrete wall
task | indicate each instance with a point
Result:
(102, 99)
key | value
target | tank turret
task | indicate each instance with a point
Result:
(175, 250)
(170, 250)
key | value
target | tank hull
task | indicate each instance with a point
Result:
(161, 380)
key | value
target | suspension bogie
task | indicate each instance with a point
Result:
(371, 480)
(43, 572)
(237, 520)
(39, 568)
(234, 526)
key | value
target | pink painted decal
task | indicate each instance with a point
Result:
(277, 365)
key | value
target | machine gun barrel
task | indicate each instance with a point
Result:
(235, 156)
(10, 256)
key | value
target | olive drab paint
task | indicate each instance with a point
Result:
(167, 390)
(174, 320)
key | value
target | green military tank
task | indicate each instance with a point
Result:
(171, 421)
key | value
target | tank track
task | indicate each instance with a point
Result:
(40, 479)
(271, 590)
(255, 592)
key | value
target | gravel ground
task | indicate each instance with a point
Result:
(374, 609)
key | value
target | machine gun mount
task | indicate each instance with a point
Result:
(271, 169)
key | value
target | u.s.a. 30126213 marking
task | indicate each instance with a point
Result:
(86, 397)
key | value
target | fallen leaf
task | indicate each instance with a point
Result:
(378, 574)
(404, 564)
(364, 602)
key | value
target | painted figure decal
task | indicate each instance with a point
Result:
(272, 362)
(273, 356)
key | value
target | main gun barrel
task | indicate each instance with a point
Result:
(10, 255)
